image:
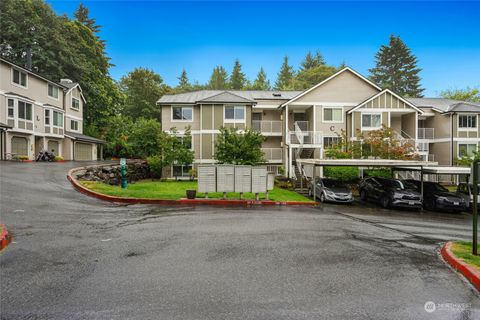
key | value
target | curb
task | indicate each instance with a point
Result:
(214, 202)
(5, 238)
(469, 272)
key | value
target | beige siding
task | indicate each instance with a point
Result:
(167, 122)
(74, 113)
(386, 101)
(409, 124)
(207, 117)
(442, 153)
(3, 109)
(218, 116)
(207, 150)
(441, 124)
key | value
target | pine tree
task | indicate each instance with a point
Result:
(261, 82)
(237, 78)
(218, 79)
(183, 83)
(396, 69)
(342, 65)
(82, 16)
(285, 76)
(312, 61)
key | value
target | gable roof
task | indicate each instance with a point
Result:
(227, 97)
(82, 137)
(330, 78)
(251, 95)
(32, 73)
(445, 105)
(361, 104)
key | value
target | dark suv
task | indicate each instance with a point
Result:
(390, 193)
(437, 197)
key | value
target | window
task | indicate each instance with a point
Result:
(75, 103)
(371, 121)
(24, 111)
(234, 114)
(11, 108)
(466, 122)
(19, 77)
(52, 91)
(57, 119)
(332, 115)
(331, 141)
(73, 125)
(181, 171)
(466, 149)
(182, 113)
(47, 117)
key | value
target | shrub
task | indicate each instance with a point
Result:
(155, 164)
(19, 157)
(58, 158)
(281, 170)
(341, 173)
(381, 173)
(192, 173)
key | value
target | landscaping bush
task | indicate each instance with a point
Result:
(341, 173)
(58, 158)
(155, 164)
(192, 173)
(381, 173)
(19, 158)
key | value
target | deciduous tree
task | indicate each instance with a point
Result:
(467, 94)
(233, 147)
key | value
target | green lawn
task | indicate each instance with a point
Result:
(463, 250)
(176, 190)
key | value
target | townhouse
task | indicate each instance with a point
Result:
(301, 124)
(40, 114)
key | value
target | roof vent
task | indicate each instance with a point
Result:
(66, 81)
(277, 94)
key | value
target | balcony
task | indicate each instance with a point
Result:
(426, 133)
(305, 137)
(273, 154)
(268, 127)
(302, 125)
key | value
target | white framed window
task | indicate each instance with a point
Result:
(182, 113)
(52, 91)
(11, 108)
(75, 103)
(466, 150)
(467, 122)
(25, 111)
(57, 119)
(19, 78)
(233, 114)
(331, 141)
(74, 125)
(181, 170)
(371, 121)
(47, 117)
(332, 115)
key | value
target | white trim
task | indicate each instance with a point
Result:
(468, 129)
(73, 117)
(315, 117)
(383, 92)
(181, 106)
(386, 110)
(58, 92)
(342, 111)
(325, 103)
(370, 128)
(17, 84)
(330, 78)
(225, 120)
(467, 143)
(71, 103)
(71, 128)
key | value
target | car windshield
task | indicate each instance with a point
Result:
(396, 184)
(436, 187)
(333, 183)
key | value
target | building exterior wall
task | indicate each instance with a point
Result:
(442, 152)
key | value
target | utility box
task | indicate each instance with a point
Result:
(243, 179)
(207, 179)
(270, 181)
(225, 178)
(259, 179)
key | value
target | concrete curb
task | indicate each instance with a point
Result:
(193, 202)
(469, 272)
(5, 238)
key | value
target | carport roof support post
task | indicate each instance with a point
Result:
(475, 206)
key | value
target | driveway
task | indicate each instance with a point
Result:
(75, 257)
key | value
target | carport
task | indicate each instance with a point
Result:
(3, 140)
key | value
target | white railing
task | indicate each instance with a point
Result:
(267, 126)
(273, 154)
(426, 133)
(422, 146)
(303, 125)
(305, 137)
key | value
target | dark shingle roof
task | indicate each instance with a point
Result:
(445, 105)
(203, 95)
(82, 137)
(226, 96)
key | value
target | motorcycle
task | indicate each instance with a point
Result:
(44, 155)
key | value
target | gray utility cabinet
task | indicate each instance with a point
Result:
(259, 179)
(243, 179)
(207, 179)
(225, 178)
(270, 181)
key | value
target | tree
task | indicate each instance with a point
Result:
(467, 94)
(82, 16)
(142, 88)
(237, 78)
(183, 83)
(307, 78)
(312, 61)
(233, 147)
(117, 135)
(285, 76)
(261, 82)
(143, 138)
(218, 79)
(396, 69)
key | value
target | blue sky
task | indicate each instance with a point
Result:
(170, 36)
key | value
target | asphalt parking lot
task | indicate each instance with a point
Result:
(75, 257)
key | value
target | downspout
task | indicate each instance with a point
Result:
(451, 139)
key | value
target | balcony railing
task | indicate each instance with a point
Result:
(273, 154)
(305, 137)
(269, 127)
(422, 146)
(426, 133)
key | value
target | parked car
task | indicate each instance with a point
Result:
(331, 190)
(390, 193)
(465, 190)
(437, 197)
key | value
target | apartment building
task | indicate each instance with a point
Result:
(40, 114)
(301, 124)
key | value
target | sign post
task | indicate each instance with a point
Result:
(475, 205)
(123, 172)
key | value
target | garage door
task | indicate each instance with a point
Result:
(53, 145)
(83, 151)
(20, 146)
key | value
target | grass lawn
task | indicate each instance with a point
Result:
(463, 250)
(172, 190)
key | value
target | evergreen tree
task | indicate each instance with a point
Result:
(261, 82)
(285, 76)
(82, 16)
(396, 69)
(312, 61)
(310, 77)
(218, 79)
(237, 78)
(342, 65)
(183, 83)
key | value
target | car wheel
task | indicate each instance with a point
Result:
(363, 195)
(385, 202)
(430, 205)
(322, 198)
